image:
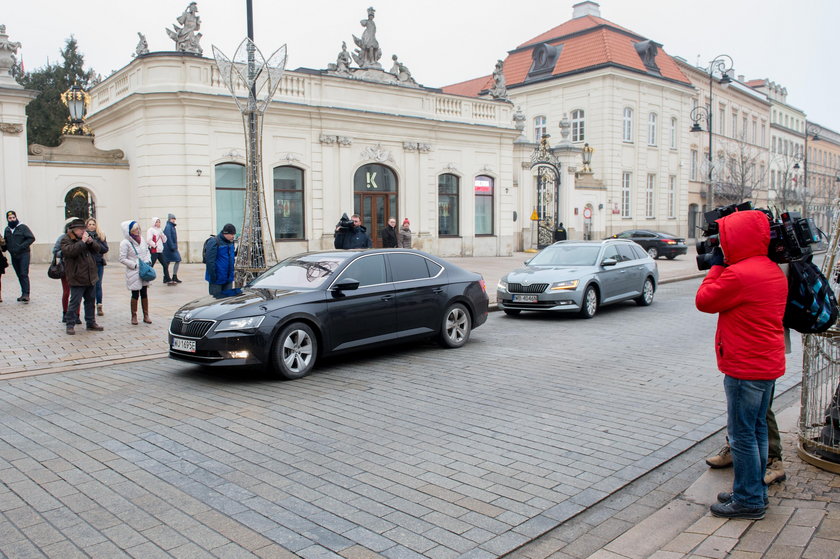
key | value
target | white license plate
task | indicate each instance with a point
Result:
(525, 298)
(183, 345)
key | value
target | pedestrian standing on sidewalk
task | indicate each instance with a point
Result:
(4, 263)
(155, 239)
(405, 235)
(98, 237)
(65, 285)
(220, 259)
(133, 249)
(77, 250)
(18, 240)
(748, 292)
(170, 251)
(389, 234)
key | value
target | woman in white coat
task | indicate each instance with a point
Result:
(156, 239)
(132, 249)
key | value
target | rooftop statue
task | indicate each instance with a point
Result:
(368, 53)
(342, 61)
(7, 56)
(186, 37)
(499, 90)
(142, 45)
(401, 71)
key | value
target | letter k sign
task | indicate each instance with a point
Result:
(370, 179)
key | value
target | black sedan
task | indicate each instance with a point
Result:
(323, 303)
(655, 243)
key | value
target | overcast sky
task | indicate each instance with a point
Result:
(443, 42)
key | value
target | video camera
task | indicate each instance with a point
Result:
(791, 235)
(344, 224)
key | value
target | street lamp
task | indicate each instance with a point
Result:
(812, 131)
(76, 100)
(721, 64)
(587, 158)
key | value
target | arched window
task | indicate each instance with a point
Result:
(577, 125)
(627, 129)
(288, 203)
(230, 195)
(483, 188)
(652, 129)
(79, 203)
(448, 195)
(375, 198)
(540, 127)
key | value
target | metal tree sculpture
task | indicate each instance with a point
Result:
(252, 81)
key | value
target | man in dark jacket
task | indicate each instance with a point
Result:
(352, 236)
(78, 250)
(170, 251)
(389, 234)
(18, 240)
(220, 259)
(748, 292)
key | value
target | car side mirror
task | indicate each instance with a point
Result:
(345, 284)
(609, 262)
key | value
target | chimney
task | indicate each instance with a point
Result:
(587, 8)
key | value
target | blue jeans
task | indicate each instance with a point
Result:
(746, 407)
(100, 269)
(217, 288)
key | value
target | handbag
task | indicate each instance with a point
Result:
(147, 273)
(56, 269)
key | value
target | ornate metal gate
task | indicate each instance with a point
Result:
(547, 206)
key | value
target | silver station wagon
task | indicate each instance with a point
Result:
(580, 276)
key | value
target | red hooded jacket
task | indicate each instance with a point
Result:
(750, 295)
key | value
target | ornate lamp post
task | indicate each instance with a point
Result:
(721, 64)
(261, 78)
(76, 100)
(587, 158)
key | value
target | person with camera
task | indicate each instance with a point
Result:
(350, 233)
(78, 249)
(748, 292)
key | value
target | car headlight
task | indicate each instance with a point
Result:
(246, 323)
(564, 285)
(502, 285)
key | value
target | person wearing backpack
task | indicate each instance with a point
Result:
(220, 258)
(748, 292)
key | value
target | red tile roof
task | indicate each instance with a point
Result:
(586, 42)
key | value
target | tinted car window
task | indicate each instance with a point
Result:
(625, 234)
(567, 255)
(405, 267)
(611, 252)
(639, 251)
(301, 272)
(367, 270)
(434, 268)
(644, 235)
(626, 252)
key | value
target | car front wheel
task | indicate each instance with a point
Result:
(456, 327)
(590, 303)
(653, 253)
(646, 298)
(295, 351)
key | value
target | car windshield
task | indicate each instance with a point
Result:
(305, 271)
(567, 255)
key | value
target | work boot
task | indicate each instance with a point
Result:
(134, 311)
(723, 459)
(775, 472)
(146, 318)
(99, 310)
(95, 327)
(731, 509)
(71, 329)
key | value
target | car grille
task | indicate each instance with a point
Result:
(533, 288)
(191, 329)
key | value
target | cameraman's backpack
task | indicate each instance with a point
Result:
(811, 305)
(204, 249)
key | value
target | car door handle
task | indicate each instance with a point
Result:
(437, 291)
(387, 297)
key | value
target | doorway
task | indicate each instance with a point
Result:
(375, 198)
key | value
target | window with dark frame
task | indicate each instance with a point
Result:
(288, 204)
(448, 195)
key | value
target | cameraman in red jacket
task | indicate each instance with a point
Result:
(749, 292)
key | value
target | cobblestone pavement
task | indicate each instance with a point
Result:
(34, 340)
(413, 452)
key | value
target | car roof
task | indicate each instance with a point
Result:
(601, 242)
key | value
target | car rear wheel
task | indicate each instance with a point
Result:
(456, 327)
(512, 312)
(590, 303)
(653, 253)
(646, 298)
(295, 351)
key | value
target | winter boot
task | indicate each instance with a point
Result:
(146, 317)
(175, 279)
(99, 310)
(723, 459)
(134, 311)
(775, 472)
